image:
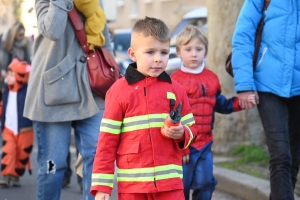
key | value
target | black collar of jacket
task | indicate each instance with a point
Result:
(132, 75)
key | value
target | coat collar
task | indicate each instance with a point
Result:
(132, 75)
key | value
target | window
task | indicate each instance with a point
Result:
(134, 9)
(120, 2)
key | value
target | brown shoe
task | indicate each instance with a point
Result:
(4, 183)
(14, 181)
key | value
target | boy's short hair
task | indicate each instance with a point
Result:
(188, 33)
(152, 27)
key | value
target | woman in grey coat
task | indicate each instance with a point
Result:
(59, 97)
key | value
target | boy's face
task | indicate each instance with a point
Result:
(11, 79)
(192, 54)
(150, 54)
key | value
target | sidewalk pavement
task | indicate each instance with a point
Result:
(240, 184)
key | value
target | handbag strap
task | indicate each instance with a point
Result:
(259, 32)
(79, 29)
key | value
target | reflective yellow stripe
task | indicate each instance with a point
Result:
(143, 122)
(170, 95)
(149, 174)
(110, 126)
(188, 119)
(103, 179)
(191, 137)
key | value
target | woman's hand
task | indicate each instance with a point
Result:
(3, 73)
(244, 99)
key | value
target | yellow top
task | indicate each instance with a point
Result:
(95, 21)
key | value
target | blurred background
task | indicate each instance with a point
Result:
(217, 18)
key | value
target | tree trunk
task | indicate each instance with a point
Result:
(243, 127)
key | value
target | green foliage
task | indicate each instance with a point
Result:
(250, 153)
(250, 159)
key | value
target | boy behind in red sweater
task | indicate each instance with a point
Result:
(149, 164)
(204, 92)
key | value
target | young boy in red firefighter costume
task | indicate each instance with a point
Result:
(136, 106)
(204, 92)
(17, 131)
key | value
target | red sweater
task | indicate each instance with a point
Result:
(204, 92)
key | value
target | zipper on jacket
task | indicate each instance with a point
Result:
(145, 91)
(155, 182)
(203, 90)
(262, 57)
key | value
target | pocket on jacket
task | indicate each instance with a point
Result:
(60, 84)
(128, 155)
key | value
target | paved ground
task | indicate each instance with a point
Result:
(28, 186)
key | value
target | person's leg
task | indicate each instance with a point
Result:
(273, 112)
(24, 148)
(189, 171)
(204, 181)
(168, 195)
(78, 165)
(133, 196)
(68, 172)
(294, 130)
(86, 134)
(9, 154)
(53, 141)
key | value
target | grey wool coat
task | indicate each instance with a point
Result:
(58, 87)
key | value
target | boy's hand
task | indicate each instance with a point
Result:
(174, 132)
(185, 159)
(101, 196)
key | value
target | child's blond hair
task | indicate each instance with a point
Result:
(151, 27)
(188, 33)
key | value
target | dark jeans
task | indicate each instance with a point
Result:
(198, 174)
(281, 122)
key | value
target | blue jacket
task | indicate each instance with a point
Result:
(21, 95)
(278, 63)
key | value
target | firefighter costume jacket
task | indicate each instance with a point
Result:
(130, 133)
(204, 92)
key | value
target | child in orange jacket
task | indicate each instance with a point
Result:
(17, 130)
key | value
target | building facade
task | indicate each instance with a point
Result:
(6, 15)
(170, 11)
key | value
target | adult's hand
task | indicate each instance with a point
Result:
(3, 73)
(243, 99)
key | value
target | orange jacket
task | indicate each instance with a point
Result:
(135, 109)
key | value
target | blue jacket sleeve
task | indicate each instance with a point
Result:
(243, 44)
